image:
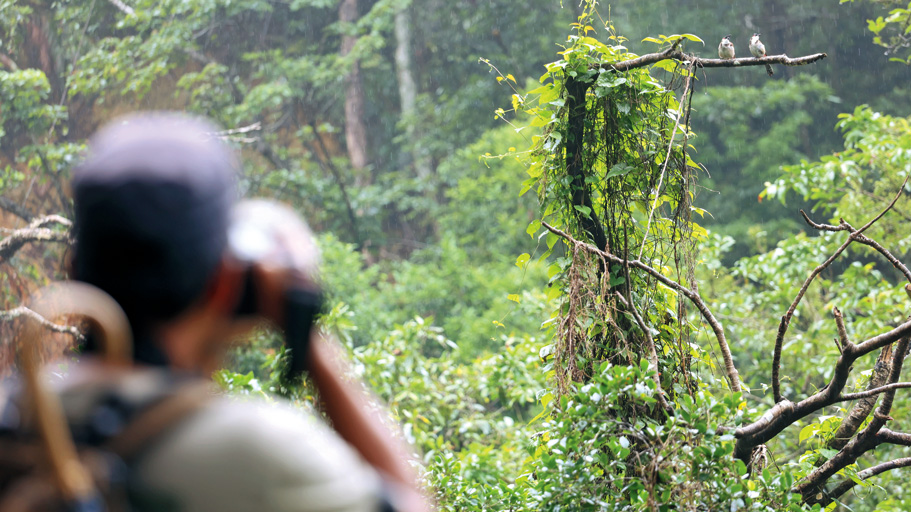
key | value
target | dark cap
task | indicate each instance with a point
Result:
(152, 202)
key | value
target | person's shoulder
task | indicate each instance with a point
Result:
(274, 432)
(255, 455)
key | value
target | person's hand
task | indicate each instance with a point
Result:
(281, 251)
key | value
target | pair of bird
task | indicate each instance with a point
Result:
(757, 49)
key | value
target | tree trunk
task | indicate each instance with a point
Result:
(407, 88)
(355, 131)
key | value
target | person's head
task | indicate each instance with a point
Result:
(152, 204)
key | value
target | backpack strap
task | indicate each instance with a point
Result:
(149, 424)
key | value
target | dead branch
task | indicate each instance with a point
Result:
(852, 422)
(21, 311)
(848, 484)
(811, 486)
(785, 413)
(875, 391)
(861, 239)
(855, 234)
(35, 232)
(673, 53)
(694, 297)
(786, 319)
(842, 340)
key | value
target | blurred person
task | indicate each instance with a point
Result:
(153, 206)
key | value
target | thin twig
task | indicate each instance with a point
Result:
(35, 232)
(848, 484)
(21, 311)
(874, 391)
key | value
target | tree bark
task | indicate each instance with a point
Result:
(355, 130)
(407, 89)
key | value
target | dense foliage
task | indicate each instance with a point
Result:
(528, 371)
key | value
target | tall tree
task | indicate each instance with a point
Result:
(355, 129)
(407, 89)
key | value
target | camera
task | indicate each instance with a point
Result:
(268, 233)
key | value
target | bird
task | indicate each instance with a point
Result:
(726, 48)
(758, 50)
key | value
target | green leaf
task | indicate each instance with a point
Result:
(551, 239)
(691, 37)
(808, 432)
(522, 260)
(533, 227)
(620, 169)
(551, 93)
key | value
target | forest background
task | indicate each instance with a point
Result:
(400, 129)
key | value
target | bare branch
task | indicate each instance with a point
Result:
(811, 486)
(853, 421)
(874, 391)
(695, 298)
(848, 484)
(785, 413)
(865, 240)
(843, 340)
(786, 319)
(822, 227)
(856, 235)
(892, 437)
(35, 232)
(881, 340)
(12, 314)
(887, 208)
(674, 54)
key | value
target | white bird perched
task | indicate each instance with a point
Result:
(758, 50)
(726, 48)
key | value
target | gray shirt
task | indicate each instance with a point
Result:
(229, 454)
